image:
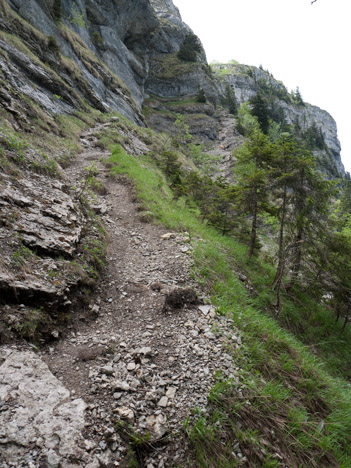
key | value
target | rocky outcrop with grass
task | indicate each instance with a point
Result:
(65, 55)
(52, 247)
(133, 330)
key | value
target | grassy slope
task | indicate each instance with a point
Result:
(290, 408)
(293, 403)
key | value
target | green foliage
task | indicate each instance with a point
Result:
(33, 324)
(89, 181)
(171, 66)
(77, 17)
(22, 256)
(314, 138)
(201, 96)
(53, 45)
(260, 110)
(189, 48)
(94, 250)
(247, 123)
(13, 142)
(253, 185)
(229, 100)
(96, 39)
(297, 98)
(57, 10)
(172, 168)
(183, 135)
(207, 162)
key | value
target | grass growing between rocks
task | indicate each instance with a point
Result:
(170, 66)
(285, 408)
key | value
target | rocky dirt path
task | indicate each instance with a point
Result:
(136, 363)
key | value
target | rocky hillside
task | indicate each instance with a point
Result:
(247, 81)
(121, 57)
(113, 328)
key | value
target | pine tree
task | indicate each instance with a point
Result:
(229, 100)
(310, 200)
(252, 173)
(189, 48)
(260, 110)
(297, 97)
(201, 96)
(285, 179)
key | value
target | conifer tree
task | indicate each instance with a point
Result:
(310, 196)
(260, 110)
(189, 48)
(229, 100)
(201, 96)
(252, 174)
(285, 179)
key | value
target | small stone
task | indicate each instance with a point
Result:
(107, 370)
(117, 395)
(55, 333)
(116, 358)
(121, 385)
(157, 425)
(146, 351)
(168, 235)
(125, 413)
(171, 391)
(131, 366)
(205, 309)
(163, 402)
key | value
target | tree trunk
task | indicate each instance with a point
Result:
(337, 314)
(345, 323)
(253, 229)
(281, 256)
(297, 260)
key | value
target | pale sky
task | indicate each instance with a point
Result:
(300, 44)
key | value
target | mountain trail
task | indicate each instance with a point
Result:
(138, 365)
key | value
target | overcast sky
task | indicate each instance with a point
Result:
(300, 44)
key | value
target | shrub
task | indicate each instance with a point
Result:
(53, 45)
(201, 96)
(57, 10)
(96, 39)
(189, 48)
(229, 100)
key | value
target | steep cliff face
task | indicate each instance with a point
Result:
(119, 55)
(247, 81)
(98, 38)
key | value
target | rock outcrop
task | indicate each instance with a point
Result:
(152, 352)
(40, 423)
(114, 56)
(246, 81)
